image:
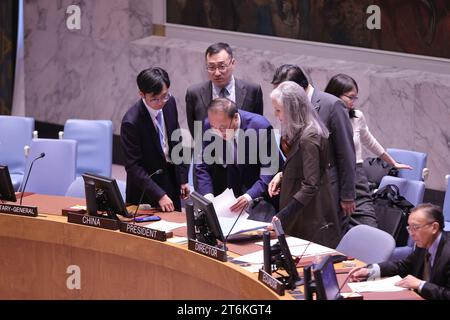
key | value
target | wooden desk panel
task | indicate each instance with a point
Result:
(35, 254)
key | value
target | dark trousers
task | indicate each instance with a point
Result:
(365, 210)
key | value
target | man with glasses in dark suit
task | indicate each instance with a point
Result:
(220, 65)
(145, 134)
(427, 268)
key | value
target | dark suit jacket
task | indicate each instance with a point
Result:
(305, 178)
(144, 155)
(247, 177)
(439, 285)
(248, 97)
(334, 115)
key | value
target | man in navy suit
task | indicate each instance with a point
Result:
(145, 134)
(427, 268)
(220, 64)
(239, 152)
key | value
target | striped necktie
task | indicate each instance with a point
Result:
(159, 120)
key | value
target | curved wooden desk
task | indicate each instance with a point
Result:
(36, 252)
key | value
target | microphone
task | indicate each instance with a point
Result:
(255, 202)
(325, 226)
(28, 175)
(159, 171)
(348, 277)
(308, 286)
(229, 232)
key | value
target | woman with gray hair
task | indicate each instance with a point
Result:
(306, 202)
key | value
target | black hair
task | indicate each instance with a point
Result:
(151, 80)
(340, 84)
(433, 212)
(224, 105)
(217, 47)
(290, 72)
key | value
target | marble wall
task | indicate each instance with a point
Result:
(91, 74)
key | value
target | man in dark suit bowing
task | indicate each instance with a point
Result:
(220, 65)
(239, 152)
(427, 268)
(145, 133)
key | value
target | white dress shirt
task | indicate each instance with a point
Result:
(153, 114)
(363, 137)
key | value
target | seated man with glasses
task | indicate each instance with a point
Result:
(145, 135)
(239, 152)
(427, 268)
(220, 65)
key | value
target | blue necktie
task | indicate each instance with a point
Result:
(159, 120)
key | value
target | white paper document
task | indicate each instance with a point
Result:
(223, 202)
(227, 218)
(312, 250)
(242, 225)
(383, 285)
(256, 257)
(291, 241)
(165, 226)
(178, 240)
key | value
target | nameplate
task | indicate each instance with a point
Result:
(271, 282)
(144, 232)
(26, 211)
(93, 221)
(207, 250)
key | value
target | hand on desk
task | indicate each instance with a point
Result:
(166, 203)
(409, 282)
(358, 274)
(240, 204)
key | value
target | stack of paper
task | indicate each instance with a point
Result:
(383, 285)
(227, 218)
(165, 226)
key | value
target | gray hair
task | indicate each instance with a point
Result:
(299, 114)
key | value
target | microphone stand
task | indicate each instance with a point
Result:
(28, 175)
(159, 171)
(229, 232)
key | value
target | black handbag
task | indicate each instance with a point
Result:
(392, 211)
(376, 169)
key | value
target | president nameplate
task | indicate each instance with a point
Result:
(207, 250)
(271, 282)
(92, 221)
(144, 232)
(26, 211)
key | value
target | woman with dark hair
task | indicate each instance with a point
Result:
(346, 88)
(308, 206)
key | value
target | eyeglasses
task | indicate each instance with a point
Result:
(163, 99)
(221, 67)
(354, 98)
(415, 227)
